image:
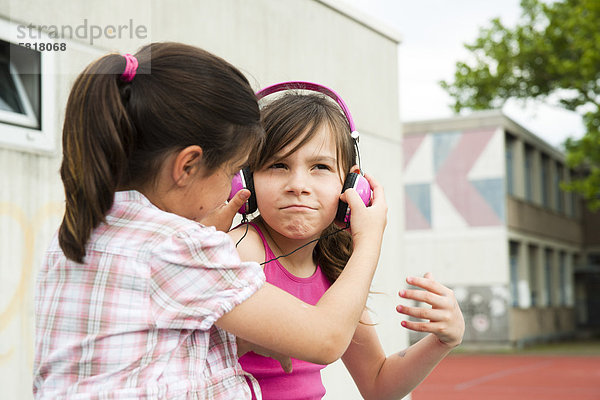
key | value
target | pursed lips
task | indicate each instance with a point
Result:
(297, 207)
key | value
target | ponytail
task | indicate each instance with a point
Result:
(97, 140)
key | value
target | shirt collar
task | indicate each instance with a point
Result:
(132, 196)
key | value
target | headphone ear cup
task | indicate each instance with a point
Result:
(251, 204)
(244, 180)
(342, 211)
(362, 187)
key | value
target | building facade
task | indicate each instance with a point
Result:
(485, 212)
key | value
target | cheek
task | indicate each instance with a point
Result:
(219, 190)
(332, 197)
(224, 191)
(264, 191)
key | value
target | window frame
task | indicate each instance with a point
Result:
(40, 139)
(28, 119)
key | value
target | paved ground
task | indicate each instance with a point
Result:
(547, 375)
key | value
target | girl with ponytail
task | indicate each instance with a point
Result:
(297, 176)
(141, 293)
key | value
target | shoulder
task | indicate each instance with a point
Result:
(251, 247)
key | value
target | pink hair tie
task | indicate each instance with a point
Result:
(130, 68)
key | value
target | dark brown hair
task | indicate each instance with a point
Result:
(296, 115)
(116, 134)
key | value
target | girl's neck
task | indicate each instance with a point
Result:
(300, 263)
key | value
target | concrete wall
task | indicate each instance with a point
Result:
(269, 41)
(541, 324)
(530, 218)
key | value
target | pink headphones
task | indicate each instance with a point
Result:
(244, 179)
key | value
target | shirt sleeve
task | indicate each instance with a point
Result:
(197, 277)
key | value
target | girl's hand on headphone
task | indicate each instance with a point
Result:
(444, 318)
(367, 223)
(222, 217)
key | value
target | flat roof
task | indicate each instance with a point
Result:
(481, 119)
(375, 24)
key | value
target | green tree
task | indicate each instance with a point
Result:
(552, 53)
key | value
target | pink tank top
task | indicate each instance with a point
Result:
(305, 380)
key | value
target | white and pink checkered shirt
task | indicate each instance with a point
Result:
(136, 319)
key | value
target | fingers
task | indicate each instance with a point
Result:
(423, 313)
(352, 198)
(222, 217)
(238, 201)
(421, 326)
(286, 364)
(445, 318)
(433, 299)
(428, 284)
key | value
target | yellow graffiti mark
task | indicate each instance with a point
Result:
(4, 357)
(18, 215)
(28, 228)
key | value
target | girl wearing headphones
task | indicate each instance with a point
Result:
(297, 178)
(139, 296)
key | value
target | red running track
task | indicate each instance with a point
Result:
(512, 377)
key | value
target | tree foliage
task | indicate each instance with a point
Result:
(553, 51)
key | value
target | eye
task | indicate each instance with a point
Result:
(277, 166)
(323, 167)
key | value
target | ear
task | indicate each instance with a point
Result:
(186, 164)
(355, 169)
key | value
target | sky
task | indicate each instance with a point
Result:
(433, 34)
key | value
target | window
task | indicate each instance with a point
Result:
(510, 141)
(533, 274)
(573, 196)
(593, 260)
(16, 102)
(545, 174)
(27, 80)
(549, 277)
(514, 272)
(564, 283)
(558, 193)
(529, 173)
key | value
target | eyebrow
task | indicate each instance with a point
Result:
(323, 158)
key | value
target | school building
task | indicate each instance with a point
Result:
(485, 213)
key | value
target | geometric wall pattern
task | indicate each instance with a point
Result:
(454, 176)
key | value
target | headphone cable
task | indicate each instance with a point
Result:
(306, 244)
(245, 222)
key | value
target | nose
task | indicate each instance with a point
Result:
(298, 183)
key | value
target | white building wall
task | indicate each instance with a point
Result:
(476, 257)
(457, 246)
(269, 41)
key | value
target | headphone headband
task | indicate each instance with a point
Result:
(315, 87)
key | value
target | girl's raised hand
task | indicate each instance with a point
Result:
(222, 217)
(369, 222)
(445, 318)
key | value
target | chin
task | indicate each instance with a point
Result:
(298, 231)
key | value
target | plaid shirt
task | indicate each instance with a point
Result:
(136, 319)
